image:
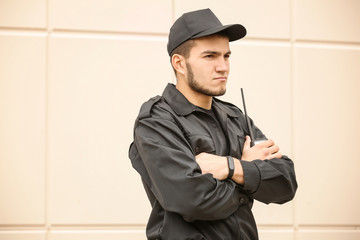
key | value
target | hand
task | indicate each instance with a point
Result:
(216, 165)
(262, 151)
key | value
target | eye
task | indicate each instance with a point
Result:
(209, 56)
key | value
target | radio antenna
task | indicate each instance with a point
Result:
(247, 120)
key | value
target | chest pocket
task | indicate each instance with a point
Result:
(201, 143)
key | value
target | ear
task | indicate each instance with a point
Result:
(178, 63)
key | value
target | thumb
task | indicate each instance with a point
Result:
(247, 143)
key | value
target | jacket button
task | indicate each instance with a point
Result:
(242, 200)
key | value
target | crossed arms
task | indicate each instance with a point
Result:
(217, 165)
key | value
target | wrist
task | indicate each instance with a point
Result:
(238, 176)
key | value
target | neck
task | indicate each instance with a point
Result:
(196, 98)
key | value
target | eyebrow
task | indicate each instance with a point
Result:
(214, 52)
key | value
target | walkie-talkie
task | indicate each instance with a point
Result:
(253, 140)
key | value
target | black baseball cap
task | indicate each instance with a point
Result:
(200, 23)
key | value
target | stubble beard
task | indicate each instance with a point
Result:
(196, 86)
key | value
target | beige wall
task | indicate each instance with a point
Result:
(74, 73)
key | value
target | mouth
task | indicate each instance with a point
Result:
(221, 79)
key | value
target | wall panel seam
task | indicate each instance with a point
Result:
(292, 18)
(47, 162)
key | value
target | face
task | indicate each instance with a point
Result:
(208, 66)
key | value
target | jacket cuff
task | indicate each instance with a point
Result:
(251, 176)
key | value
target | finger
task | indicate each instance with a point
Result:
(275, 155)
(270, 142)
(247, 143)
(274, 149)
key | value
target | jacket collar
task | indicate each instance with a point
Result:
(183, 107)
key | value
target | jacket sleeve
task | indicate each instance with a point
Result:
(175, 177)
(270, 181)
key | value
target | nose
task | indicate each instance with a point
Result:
(223, 65)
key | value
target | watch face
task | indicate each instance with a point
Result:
(231, 163)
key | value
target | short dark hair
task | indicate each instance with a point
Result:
(183, 50)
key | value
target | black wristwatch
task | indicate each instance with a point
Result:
(231, 166)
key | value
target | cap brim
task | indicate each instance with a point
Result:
(233, 32)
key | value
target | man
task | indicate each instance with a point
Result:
(193, 151)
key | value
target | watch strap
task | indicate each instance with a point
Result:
(231, 166)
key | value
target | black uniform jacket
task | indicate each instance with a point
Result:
(186, 204)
